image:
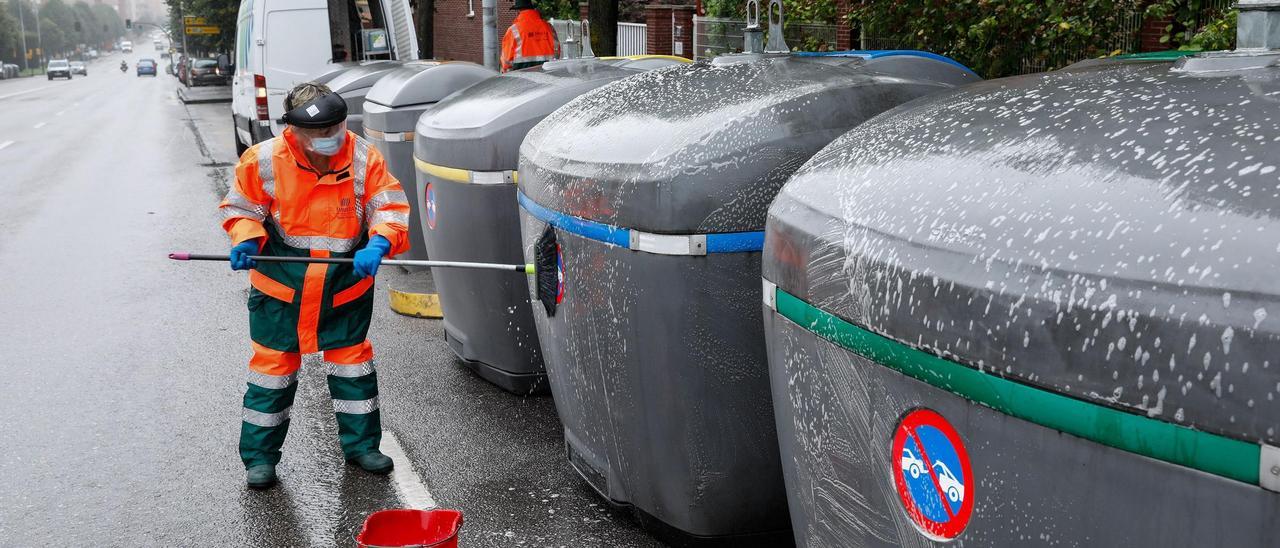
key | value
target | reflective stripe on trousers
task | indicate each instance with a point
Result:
(268, 401)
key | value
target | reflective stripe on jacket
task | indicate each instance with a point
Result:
(529, 40)
(294, 210)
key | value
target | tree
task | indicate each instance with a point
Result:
(603, 18)
(1003, 36)
(219, 13)
(9, 34)
(57, 28)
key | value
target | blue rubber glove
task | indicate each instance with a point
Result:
(240, 255)
(368, 259)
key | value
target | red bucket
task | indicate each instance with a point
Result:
(402, 528)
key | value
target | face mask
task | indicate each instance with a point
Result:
(327, 146)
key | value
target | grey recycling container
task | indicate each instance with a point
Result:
(657, 186)
(391, 109)
(354, 84)
(333, 70)
(467, 148)
(1067, 280)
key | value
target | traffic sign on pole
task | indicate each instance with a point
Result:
(192, 20)
(197, 30)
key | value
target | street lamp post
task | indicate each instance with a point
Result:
(22, 26)
(39, 37)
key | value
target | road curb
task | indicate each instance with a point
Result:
(182, 96)
(418, 305)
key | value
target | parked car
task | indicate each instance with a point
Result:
(180, 69)
(59, 68)
(11, 70)
(204, 72)
(93, 54)
(147, 66)
(77, 67)
(264, 70)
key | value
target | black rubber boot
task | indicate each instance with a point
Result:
(373, 462)
(261, 476)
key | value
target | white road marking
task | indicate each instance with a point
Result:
(3, 97)
(39, 125)
(5, 145)
(409, 485)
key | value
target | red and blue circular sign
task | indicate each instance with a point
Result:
(559, 275)
(431, 206)
(932, 474)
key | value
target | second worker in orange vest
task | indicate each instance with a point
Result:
(529, 41)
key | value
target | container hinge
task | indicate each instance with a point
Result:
(776, 42)
(1259, 25)
(753, 35)
(770, 290)
(1269, 468)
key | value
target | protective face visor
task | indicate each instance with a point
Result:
(319, 113)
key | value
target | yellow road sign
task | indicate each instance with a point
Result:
(197, 30)
(191, 20)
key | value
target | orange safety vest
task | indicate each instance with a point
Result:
(529, 40)
(294, 210)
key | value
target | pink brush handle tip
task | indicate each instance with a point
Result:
(180, 256)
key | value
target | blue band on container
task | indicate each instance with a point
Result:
(728, 242)
(882, 53)
(583, 227)
(735, 242)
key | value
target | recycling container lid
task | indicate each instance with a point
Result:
(332, 70)
(1110, 232)
(361, 77)
(481, 129)
(421, 82)
(704, 147)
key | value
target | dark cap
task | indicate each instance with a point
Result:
(523, 5)
(324, 111)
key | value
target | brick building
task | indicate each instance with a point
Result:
(458, 32)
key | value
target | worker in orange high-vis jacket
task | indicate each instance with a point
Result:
(317, 190)
(529, 41)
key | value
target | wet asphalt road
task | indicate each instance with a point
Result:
(123, 371)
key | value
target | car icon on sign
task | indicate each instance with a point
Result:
(950, 485)
(911, 465)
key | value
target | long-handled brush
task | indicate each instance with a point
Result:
(545, 266)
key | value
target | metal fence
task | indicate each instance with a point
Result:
(633, 39)
(1125, 40)
(714, 36)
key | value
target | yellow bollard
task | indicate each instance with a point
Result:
(418, 305)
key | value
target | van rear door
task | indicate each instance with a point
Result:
(296, 44)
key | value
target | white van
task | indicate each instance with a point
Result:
(280, 42)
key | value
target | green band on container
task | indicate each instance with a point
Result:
(1212, 453)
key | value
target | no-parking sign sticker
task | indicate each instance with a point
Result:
(559, 275)
(932, 474)
(431, 206)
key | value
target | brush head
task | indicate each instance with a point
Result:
(548, 265)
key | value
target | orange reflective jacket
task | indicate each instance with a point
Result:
(294, 210)
(529, 41)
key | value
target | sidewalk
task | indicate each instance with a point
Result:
(202, 95)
